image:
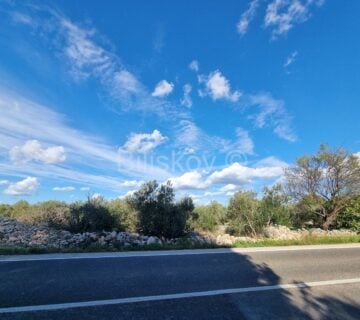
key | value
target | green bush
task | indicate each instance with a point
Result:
(21, 210)
(159, 214)
(125, 215)
(55, 213)
(275, 207)
(244, 215)
(91, 215)
(349, 218)
(208, 217)
(5, 210)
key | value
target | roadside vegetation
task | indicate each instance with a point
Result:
(319, 191)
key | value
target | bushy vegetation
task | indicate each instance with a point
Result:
(349, 218)
(158, 213)
(322, 190)
(208, 217)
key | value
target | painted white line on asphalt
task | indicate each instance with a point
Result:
(165, 253)
(175, 296)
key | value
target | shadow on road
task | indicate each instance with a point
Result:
(50, 282)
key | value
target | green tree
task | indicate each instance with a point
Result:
(327, 180)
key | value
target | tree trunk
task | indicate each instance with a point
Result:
(330, 219)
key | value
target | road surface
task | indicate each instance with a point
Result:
(317, 282)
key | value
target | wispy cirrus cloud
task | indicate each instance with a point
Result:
(186, 99)
(64, 189)
(23, 120)
(247, 17)
(290, 59)
(272, 113)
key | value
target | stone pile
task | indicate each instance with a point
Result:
(15, 233)
(284, 233)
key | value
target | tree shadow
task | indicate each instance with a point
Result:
(61, 281)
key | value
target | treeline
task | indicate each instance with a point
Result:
(322, 190)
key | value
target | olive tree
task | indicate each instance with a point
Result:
(325, 182)
(159, 214)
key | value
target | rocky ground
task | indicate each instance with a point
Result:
(17, 234)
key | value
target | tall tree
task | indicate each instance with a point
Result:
(325, 182)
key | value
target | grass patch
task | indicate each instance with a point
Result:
(307, 240)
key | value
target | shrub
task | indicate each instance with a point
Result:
(275, 207)
(208, 217)
(5, 210)
(125, 215)
(89, 216)
(159, 215)
(244, 215)
(349, 218)
(21, 211)
(55, 213)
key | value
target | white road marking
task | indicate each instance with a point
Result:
(96, 303)
(107, 255)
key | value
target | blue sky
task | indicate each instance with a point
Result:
(214, 96)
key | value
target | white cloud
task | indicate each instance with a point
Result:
(189, 180)
(4, 182)
(132, 183)
(163, 89)
(194, 65)
(290, 59)
(272, 114)
(96, 196)
(186, 100)
(218, 87)
(32, 150)
(239, 174)
(127, 194)
(66, 189)
(27, 186)
(229, 188)
(247, 17)
(244, 142)
(85, 189)
(282, 15)
(143, 142)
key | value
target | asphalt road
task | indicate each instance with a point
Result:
(278, 283)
